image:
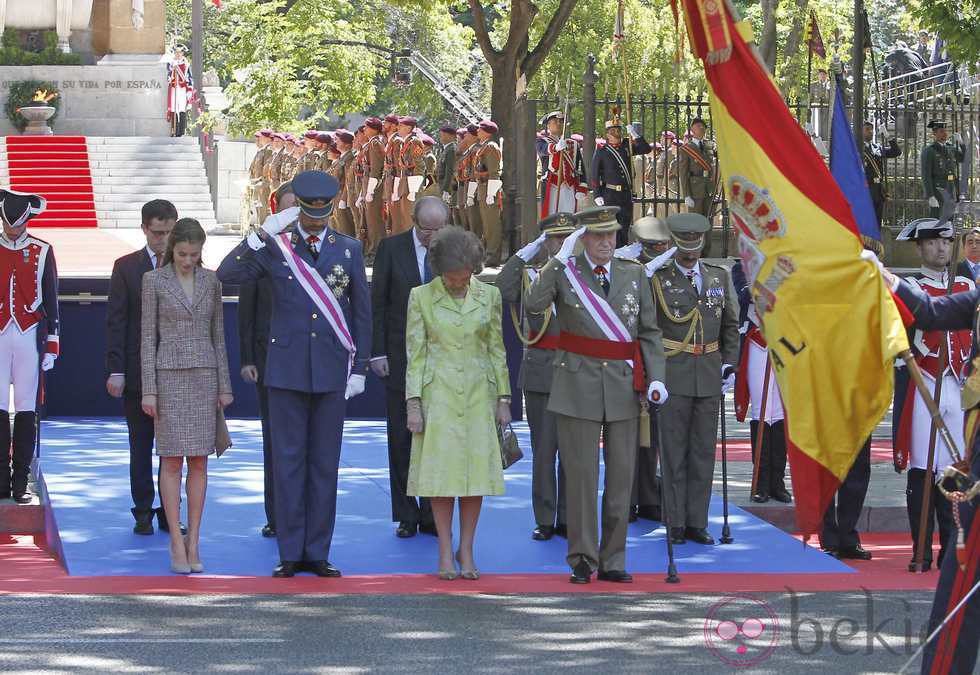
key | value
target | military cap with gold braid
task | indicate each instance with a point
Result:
(314, 191)
(688, 230)
(558, 224)
(650, 229)
(598, 219)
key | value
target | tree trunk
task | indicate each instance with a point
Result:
(767, 41)
(503, 93)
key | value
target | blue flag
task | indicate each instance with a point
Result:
(847, 168)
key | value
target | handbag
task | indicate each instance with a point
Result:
(510, 449)
(222, 439)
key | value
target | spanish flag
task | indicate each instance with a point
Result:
(831, 324)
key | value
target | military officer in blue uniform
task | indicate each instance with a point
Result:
(612, 172)
(319, 348)
(955, 648)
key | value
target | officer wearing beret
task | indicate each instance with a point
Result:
(258, 189)
(487, 161)
(698, 314)
(940, 167)
(539, 332)
(319, 346)
(609, 359)
(342, 170)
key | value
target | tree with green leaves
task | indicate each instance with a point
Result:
(957, 22)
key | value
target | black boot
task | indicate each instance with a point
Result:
(761, 494)
(4, 454)
(777, 463)
(23, 452)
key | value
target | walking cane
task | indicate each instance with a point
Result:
(726, 532)
(672, 577)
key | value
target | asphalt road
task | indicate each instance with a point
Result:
(781, 633)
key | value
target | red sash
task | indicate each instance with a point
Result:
(549, 342)
(696, 156)
(606, 349)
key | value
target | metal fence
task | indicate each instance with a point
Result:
(905, 110)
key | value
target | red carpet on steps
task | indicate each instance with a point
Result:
(57, 168)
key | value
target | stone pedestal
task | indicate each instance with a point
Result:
(37, 117)
(113, 31)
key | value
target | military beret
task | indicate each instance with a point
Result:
(447, 129)
(391, 119)
(427, 139)
(489, 126)
(408, 121)
(278, 136)
(461, 132)
(936, 124)
(598, 219)
(344, 136)
(558, 223)
(16, 208)
(314, 190)
(650, 228)
(578, 138)
(257, 134)
(268, 133)
(311, 134)
(471, 129)
(324, 137)
(374, 123)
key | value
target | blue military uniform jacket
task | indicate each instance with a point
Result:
(304, 352)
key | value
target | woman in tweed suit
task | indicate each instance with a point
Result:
(185, 378)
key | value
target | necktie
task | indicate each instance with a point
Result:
(600, 276)
(312, 241)
(426, 270)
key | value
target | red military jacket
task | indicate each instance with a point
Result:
(29, 289)
(925, 344)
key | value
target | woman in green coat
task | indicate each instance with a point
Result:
(457, 390)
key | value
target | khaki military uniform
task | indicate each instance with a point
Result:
(311, 160)
(487, 160)
(274, 170)
(697, 173)
(392, 150)
(430, 187)
(446, 177)
(346, 196)
(592, 395)
(259, 185)
(469, 216)
(940, 170)
(411, 171)
(547, 490)
(700, 335)
(356, 171)
(376, 167)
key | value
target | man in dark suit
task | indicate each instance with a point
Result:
(401, 264)
(612, 173)
(969, 267)
(123, 318)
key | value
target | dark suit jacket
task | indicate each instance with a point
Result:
(396, 273)
(963, 270)
(609, 181)
(123, 317)
(254, 316)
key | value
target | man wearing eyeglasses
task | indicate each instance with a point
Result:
(123, 319)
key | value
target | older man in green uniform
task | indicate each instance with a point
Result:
(609, 360)
(698, 314)
(940, 167)
(539, 333)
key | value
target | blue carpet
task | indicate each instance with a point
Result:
(85, 463)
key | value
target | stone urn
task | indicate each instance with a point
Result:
(37, 117)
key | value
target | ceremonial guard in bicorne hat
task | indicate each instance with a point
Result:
(180, 91)
(28, 334)
(564, 184)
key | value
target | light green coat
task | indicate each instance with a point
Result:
(457, 366)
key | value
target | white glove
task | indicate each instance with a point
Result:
(360, 202)
(369, 197)
(355, 386)
(561, 145)
(372, 187)
(933, 202)
(883, 133)
(471, 193)
(493, 187)
(568, 246)
(728, 384)
(599, 201)
(491, 199)
(414, 185)
(659, 261)
(47, 363)
(277, 222)
(958, 138)
(657, 393)
(633, 131)
(580, 196)
(688, 202)
(528, 252)
(446, 197)
(341, 204)
(629, 252)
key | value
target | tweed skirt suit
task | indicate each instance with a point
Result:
(184, 362)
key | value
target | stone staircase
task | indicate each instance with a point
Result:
(126, 172)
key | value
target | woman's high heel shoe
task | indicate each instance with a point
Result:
(447, 575)
(178, 569)
(469, 575)
(195, 568)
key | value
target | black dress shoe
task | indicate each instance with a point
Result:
(164, 525)
(144, 524)
(699, 535)
(543, 533)
(286, 569)
(405, 530)
(650, 513)
(268, 531)
(561, 530)
(633, 516)
(926, 566)
(782, 495)
(581, 573)
(429, 529)
(853, 553)
(321, 568)
(677, 536)
(616, 576)
(23, 497)
(760, 498)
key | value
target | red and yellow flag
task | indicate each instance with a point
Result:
(832, 326)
